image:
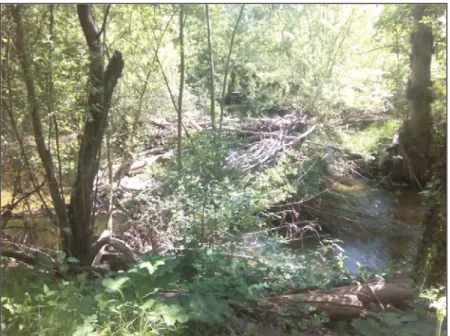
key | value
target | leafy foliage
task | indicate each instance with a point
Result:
(139, 301)
(324, 62)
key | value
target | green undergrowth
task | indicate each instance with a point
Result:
(367, 139)
(208, 202)
(187, 294)
(206, 211)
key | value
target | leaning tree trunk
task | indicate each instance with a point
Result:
(102, 82)
(35, 114)
(415, 138)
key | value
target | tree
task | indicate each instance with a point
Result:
(227, 67)
(211, 67)
(180, 94)
(35, 114)
(75, 220)
(425, 152)
(416, 137)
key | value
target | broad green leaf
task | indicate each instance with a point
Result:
(114, 285)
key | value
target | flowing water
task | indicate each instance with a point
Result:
(397, 215)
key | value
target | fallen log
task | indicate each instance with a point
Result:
(53, 264)
(153, 151)
(347, 301)
(350, 155)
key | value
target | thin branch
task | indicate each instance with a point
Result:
(105, 18)
(144, 89)
(23, 197)
(171, 95)
(227, 67)
(349, 22)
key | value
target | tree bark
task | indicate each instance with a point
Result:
(222, 104)
(79, 242)
(416, 135)
(180, 94)
(34, 106)
(211, 68)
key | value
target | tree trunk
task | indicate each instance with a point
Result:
(415, 138)
(180, 94)
(341, 302)
(222, 104)
(35, 110)
(211, 68)
(79, 242)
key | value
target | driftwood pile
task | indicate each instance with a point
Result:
(268, 138)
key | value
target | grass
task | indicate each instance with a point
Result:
(367, 140)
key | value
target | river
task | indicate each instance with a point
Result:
(397, 215)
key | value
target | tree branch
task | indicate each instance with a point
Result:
(90, 30)
(117, 244)
(19, 256)
(72, 268)
(104, 20)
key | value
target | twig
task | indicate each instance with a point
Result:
(104, 20)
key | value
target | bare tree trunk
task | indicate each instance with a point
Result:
(180, 95)
(222, 104)
(102, 86)
(211, 68)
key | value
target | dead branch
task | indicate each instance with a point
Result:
(267, 149)
(117, 244)
(34, 261)
(20, 257)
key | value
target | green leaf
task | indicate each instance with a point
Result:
(60, 256)
(151, 268)
(114, 285)
(148, 304)
(72, 260)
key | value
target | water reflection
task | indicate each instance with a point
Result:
(378, 249)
